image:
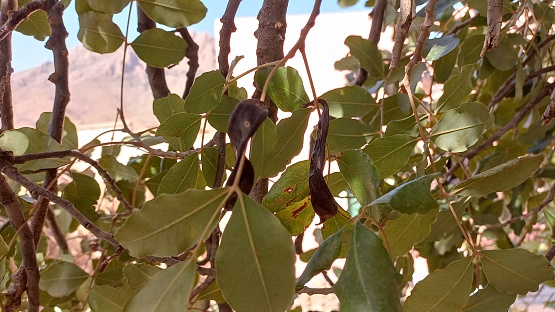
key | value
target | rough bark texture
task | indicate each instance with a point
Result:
(401, 31)
(228, 27)
(156, 76)
(271, 36)
(6, 109)
(495, 9)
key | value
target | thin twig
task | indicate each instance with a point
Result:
(192, 54)
(316, 291)
(463, 24)
(375, 34)
(401, 32)
(16, 17)
(228, 27)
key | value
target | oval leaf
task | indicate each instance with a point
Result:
(351, 101)
(500, 178)
(447, 289)
(461, 127)
(346, 133)
(456, 89)
(256, 248)
(181, 176)
(369, 280)
(167, 106)
(159, 48)
(180, 130)
(174, 13)
(184, 217)
(206, 92)
(286, 88)
(402, 197)
(108, 299)
(322, 259)
(292, 186)
(62, 278)
(489, 299)
(367, 54)
(515, 271)
(361, 175)
(390, 154)
(107, 6)
(98, 33)
(407, 230)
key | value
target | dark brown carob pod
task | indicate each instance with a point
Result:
(245, 118)
(322, 199)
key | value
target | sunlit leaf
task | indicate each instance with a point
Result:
(436, 48)
(35, 25)
(98, 33)
(255, 237)
(350, 101)
(292, 186)
(70, 139)
(515, 271)
(159, 48)
(286, 88)
(174, 13)
(390, 154)
(444, 290)
(369, 280)
(360, 173)
(165, 107)
(83, 191)
(187, 217)
(108, 6)
(461, 127)
(402, 197)
(297, 216)
(500, 178)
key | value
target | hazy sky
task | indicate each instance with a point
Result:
(28, 52)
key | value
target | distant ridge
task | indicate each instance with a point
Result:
(95, 87)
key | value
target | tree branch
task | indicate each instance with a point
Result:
(495, 9)
(377, 15)
(192, 54)
(6, 106)
(512, 124)
(156, 76)
(228, 27)
(316, 291)
(16, 17)
(463, 24)
(401, 31)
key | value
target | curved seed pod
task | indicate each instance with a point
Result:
(322, 200)
(245, 118)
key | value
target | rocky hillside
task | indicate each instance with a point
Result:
(95, 87)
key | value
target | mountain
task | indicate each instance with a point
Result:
(94, 84)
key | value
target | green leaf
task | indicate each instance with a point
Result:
(402, 197)
(346, 133)
(35, 25)
(107, 6)
(369, 280)
(83, 192)
(515, 271)
(167, 106)
(346, 3)
(174, 13)
(444, 290)
(390, 154)
(350, 101)
(117, 170)
(444, 66)
(138, 274)
(405, 126)
(108, 299)
(70, 139)
(256, 247)
(470, 50)
(167, 291)
(360, 173)
(209, 160)
(335, 223)
(290, 132)
(188, 218)
(159, 48)
(180, 130)
(434, 49)
(445, 223)
(297, 216)
(500, 178)
(286, 88)
(367, 54)
(456, 89)
(98, 33)
(262, 151)
(27, 141)
(322, 259)
(206, 92)
(461, 127)
(504, 57)
(181, 176)
(292, 186)
(407, 230)
(219, 116)
(489, 299)
(62, 278)
(336, 183)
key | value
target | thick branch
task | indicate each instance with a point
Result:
(424, 34)
(156, 76)
(6, 106)
(401, 32)
(11, 203)
(228, 27)
(56, 43)
(192, 54)
(495, 9)
(375, 34)
(15, 18)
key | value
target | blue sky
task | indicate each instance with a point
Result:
(28, 52)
